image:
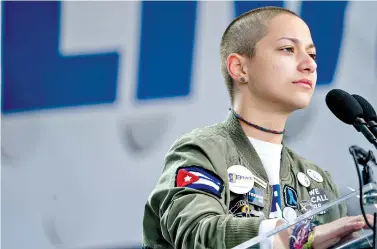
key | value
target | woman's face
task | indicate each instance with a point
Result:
(283, 70)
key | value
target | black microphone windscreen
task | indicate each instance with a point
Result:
(343, 106)
(368, 110)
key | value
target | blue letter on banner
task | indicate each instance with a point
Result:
(326, 22)
(35, 76)
(166, 49)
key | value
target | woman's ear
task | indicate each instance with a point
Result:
(235, 64)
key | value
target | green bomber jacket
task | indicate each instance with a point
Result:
(193, 217)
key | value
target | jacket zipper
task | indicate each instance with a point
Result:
(268, 204)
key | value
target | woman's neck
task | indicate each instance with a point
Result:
(263, 117)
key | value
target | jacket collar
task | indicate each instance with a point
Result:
(247, 151)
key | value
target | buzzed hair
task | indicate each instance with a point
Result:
(242, 35)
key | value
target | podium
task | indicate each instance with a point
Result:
(362, 239)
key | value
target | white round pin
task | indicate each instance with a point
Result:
(241, 180)
(289, 214)
(303, 179)
(315, 175)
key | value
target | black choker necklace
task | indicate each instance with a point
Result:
(254, 125)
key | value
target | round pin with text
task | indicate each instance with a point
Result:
(241, 180)
(289, 214)
(314, 175)
(303, 179)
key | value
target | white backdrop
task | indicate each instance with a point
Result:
(79, 176)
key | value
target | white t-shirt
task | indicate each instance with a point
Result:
(270, 155)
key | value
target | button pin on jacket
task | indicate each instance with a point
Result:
(303, 179)
(241, 180)
(289, 214)
(318, 198)
(314, 175)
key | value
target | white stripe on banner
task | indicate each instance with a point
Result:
(208, 183)
(200, 174)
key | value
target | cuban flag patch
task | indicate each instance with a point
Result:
(200, 179)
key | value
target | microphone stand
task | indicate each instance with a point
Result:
(362, 126)
(367, 160)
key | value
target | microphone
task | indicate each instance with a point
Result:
(348, 110)
(369, 113)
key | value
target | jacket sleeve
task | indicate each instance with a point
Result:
(191, 217)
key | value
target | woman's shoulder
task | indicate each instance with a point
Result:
(212, 134)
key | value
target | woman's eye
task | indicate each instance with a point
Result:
(289, 49)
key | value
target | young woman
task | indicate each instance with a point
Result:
(225, 184)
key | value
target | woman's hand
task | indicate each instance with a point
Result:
(326, 235)
(331, 233)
